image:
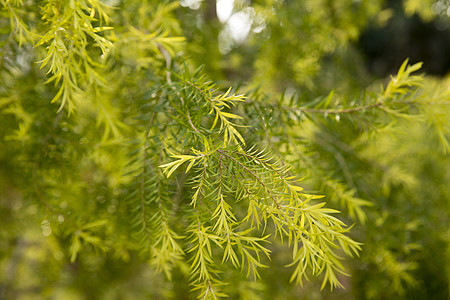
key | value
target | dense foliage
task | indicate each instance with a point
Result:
(147, 151)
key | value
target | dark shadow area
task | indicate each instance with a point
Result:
(385, 48)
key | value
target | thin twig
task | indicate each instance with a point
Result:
(142, 196)
(334, 111)
(253, 175)
(192, 124)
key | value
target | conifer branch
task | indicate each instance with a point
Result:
(142, 197)
(332, 111)
(201, 140)
(250, 172)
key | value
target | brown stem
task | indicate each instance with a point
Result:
(210, 10)
(192, 124)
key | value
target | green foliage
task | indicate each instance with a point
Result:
(137, 167)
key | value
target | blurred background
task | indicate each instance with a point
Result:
(304, 48)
